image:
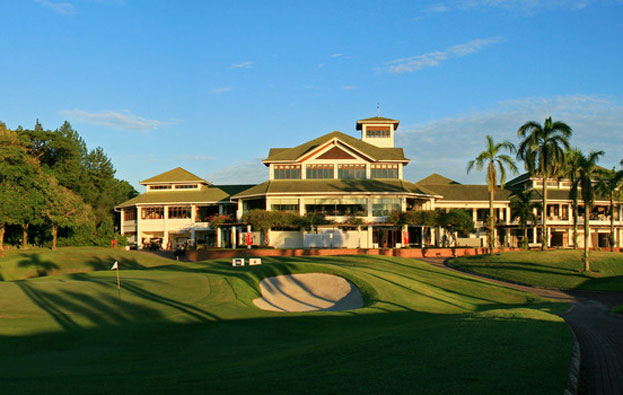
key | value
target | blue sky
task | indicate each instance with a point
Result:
(211, 86)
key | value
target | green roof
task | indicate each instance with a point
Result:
(376, 119)
(460, 192)
(436, 179)
(176, 175)
(213, 194)
(376, 153)
(334, 186)
(519, 179)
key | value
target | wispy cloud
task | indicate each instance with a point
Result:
(349, 87)
(194, 158)
(529, 6)
(60, 7)
(124, 120)
(240, 172)
(222, 89)
(336, 55)
(446, 145)
(432, 59)
(244, 65)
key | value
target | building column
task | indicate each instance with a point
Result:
(238, 210)
(508, 215)
(233, 237)
(165, 221)
(219, 237)
(549, 236)
(301, 206)
(139, 239)
(369, 207)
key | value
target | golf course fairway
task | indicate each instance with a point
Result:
(193, 328)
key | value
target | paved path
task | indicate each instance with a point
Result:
(599, 333)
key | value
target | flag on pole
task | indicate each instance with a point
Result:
(115, 266)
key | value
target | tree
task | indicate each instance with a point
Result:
(572, 158)
(261, 220)
(456, 220)
(587, 173)
(522, 208)
(21, 184)
(495, 160)
(64, 208)
(609, 183)
(543, 152)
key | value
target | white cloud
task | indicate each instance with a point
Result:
(431, 59)
(439, 8)
(194, 158)
(124, 120)
(349, 87)
(61, 7)
(240, 172)
(336, 55)
(222, 89)
(244, 65)
(446, 145)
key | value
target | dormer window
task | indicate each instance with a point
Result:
(159, 187)
(319, 171)
(286, 172)
(351, 171)
(187, 186)
(384, 171)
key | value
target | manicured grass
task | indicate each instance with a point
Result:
(192, 327)
(18, 264)
(550, 269)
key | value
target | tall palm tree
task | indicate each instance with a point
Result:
(587, 173)
(522, 207)
(542, 150)
(572, 163)
(609, 183)
(495, 161)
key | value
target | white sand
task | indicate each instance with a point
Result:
(308, 292)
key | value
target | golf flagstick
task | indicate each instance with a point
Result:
(116, 267)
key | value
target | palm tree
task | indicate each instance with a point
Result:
(522, 207)
(572, 163)
(587, 173)
(542, 150)
(491, 157)
(609, 183)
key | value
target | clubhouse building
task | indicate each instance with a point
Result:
(344, 177)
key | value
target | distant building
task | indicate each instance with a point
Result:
(344, 177)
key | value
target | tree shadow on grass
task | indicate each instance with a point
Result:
(97, 263)
(34, 261)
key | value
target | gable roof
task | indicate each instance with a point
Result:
(460, 192)
(359, 123)
(374, 152)
(176, 175)
(334, 186)
(436, 179)
(213, 194)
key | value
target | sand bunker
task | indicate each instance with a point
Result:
(308, 292)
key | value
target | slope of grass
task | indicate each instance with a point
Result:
(18, 264)
(192, 327)
(550, 269)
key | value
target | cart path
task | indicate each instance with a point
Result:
(598, 332)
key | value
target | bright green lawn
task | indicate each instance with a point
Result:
(550, 269)
(192, 327)
(18, 264)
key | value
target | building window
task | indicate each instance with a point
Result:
(152, 213)
(319, 171)
(285, 207)
(383, 207)
(157, 187)
(187, 186)
(351, 171)
(129, 214)
(384, 171)
(179, 212)
(360, 210)
(287, 172)
(377, 132)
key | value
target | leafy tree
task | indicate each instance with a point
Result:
(609, 183)
(522, 208)
(261, 220)
(456, 220)
(64, 209)
(587, 173)
(543, 152)
(496, 161)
